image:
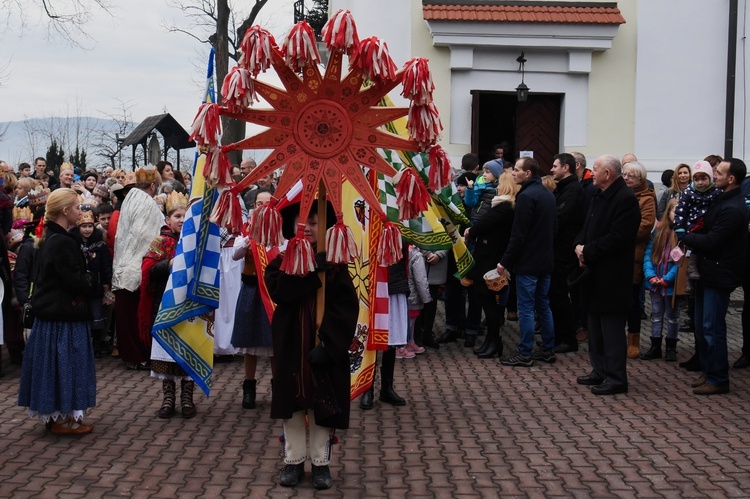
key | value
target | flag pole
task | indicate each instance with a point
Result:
(320, 302)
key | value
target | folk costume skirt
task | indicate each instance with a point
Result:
(58, 376)
(252, 328)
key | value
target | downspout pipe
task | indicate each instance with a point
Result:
(731, 77)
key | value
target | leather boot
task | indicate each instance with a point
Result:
(365, 401)
(248, 394)
(655, 351)
(671, 352)
(634, 345)
(186, 399)
(167, 405)
(387, 393)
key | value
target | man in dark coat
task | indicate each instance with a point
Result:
(605, 249)
(570, 215)
(312, 377)
(530, 257)
(721, 247)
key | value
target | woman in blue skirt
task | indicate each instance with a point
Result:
(58, 379)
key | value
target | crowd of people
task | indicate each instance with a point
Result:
(89, 254)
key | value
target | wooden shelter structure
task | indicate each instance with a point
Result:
(173, 137)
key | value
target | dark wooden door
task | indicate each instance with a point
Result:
(538, 128)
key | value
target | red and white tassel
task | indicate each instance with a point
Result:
(440, 169)
(206, 127)
(424, 124)
(374, 60)
(299, 259)
(218, 169)
(257, 49)
(301, 48)
(412, 197)
(389, 246)
(265, 226)
(340, 33)
(340, 244)
(238, 89)
(228, 212)
(417, 82)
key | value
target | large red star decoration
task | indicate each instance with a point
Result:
(322, 128)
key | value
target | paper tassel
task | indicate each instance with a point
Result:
(39, 230)
(265, 226)
(228, 212)
(412, 197)
(440, 169)
(257, 49)
(373, 59)
(300, 48)
(206, 128)
(238, 89)
(424, 124)
(218, 169)
(340, 244)
(298, 259)
(389, 247)
(417, 81)
(340, 33)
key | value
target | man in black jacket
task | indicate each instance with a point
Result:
(530, 257)
(721, 247)
(569, 200)
(605, 249)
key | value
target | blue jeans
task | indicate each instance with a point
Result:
(659, 306)
(711, 306)
(532, 295)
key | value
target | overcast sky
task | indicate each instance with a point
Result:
(130, 56)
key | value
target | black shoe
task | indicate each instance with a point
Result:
(547, 356)
(448, 336)
(291, 474)
(470, 340)
(429, 342)
(742, 362)
(365, 401)
(589, 380)
(389, 396)
(248, 394)
(494, 348)
(692, 365)
(517, 360)
(321, 477)
(607, 389)
(484, 346)
(565, 348)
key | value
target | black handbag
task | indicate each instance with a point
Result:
(27, 314)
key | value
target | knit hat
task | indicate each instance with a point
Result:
(89, 174)
(703, 167)
(495, 167)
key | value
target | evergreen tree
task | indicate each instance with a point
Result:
(79, 159)
(318, 16)
(55, 157)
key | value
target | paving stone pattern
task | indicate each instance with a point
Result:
(471, 428)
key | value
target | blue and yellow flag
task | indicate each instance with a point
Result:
(184, 323)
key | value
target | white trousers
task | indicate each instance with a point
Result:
(229, 291)
(302, 443)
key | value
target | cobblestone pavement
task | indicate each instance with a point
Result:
(471, 429)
